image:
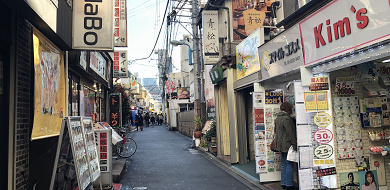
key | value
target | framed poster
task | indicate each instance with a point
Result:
(49, 87)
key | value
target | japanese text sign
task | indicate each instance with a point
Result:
(210, 36)
(115, 116)
(326, 171)
(120, 23)
(319, 83)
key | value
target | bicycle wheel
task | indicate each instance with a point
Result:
(126, 148)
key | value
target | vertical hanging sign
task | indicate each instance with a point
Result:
(120, 63)
(115, 117)
(210, 36)
(120, 23)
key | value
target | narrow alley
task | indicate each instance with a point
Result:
(165, 160)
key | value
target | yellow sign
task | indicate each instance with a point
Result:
(322, 119)
(253, 19)
(49, 88)
(322, 100)
(310, 101)
(316, 101)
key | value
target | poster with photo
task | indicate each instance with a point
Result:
(257, 100)
(259, 135)
(261, 164)
(359, 180)
(368, 180)
(260, 148)
(79, 152)
(92, 156)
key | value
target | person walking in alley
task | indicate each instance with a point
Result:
(136, 121)
(153, 120)
(141, 122)
(285, 136)
(147, 121)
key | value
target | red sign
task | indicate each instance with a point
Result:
(103, 155)
(259, 115)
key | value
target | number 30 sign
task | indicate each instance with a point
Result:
(323, 136)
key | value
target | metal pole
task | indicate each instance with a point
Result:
(197, 86)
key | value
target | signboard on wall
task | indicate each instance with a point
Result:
(115, 106)
(282, 54)
(120, 63)
(341, 27)
(210, 36)
(247, 55)
(248, 16)
(98, 64)
(93, 25)
(120, 23)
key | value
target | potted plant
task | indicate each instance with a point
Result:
(211, 136)
(198, 123)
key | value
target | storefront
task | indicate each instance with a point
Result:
(248, 74)
(90, 81)
(222, 77)
(281, 59)
(351, 52)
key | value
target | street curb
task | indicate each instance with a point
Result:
(224, 165)
(238, 175)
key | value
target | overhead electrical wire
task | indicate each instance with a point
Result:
(162, 24)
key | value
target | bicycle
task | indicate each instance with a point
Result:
(127, 147)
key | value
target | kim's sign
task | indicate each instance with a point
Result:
(93, 25)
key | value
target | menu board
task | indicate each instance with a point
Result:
(79, 152)
(91, 151)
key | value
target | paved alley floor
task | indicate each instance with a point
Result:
(165, 160)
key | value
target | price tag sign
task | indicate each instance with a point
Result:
(323, 151)
(323, 136)
(345, 85)
(322, 119)
(273, 97)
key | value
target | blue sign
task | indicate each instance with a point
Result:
(273, 96)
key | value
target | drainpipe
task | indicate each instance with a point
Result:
(221, 7)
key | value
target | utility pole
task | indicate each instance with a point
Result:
(196, 62)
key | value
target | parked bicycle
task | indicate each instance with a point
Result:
(127, 147)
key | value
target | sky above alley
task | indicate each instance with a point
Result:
(143, 25)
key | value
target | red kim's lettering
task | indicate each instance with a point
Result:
(340, 27)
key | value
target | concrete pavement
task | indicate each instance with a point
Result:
(165, 160)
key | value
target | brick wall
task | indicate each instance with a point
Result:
(24, 98)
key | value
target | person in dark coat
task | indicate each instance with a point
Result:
(141, 122)
(136, 121)
(147, 119)
(285, 136)
(153, 120)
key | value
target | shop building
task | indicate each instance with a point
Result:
(90, 81)
(36, 88)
